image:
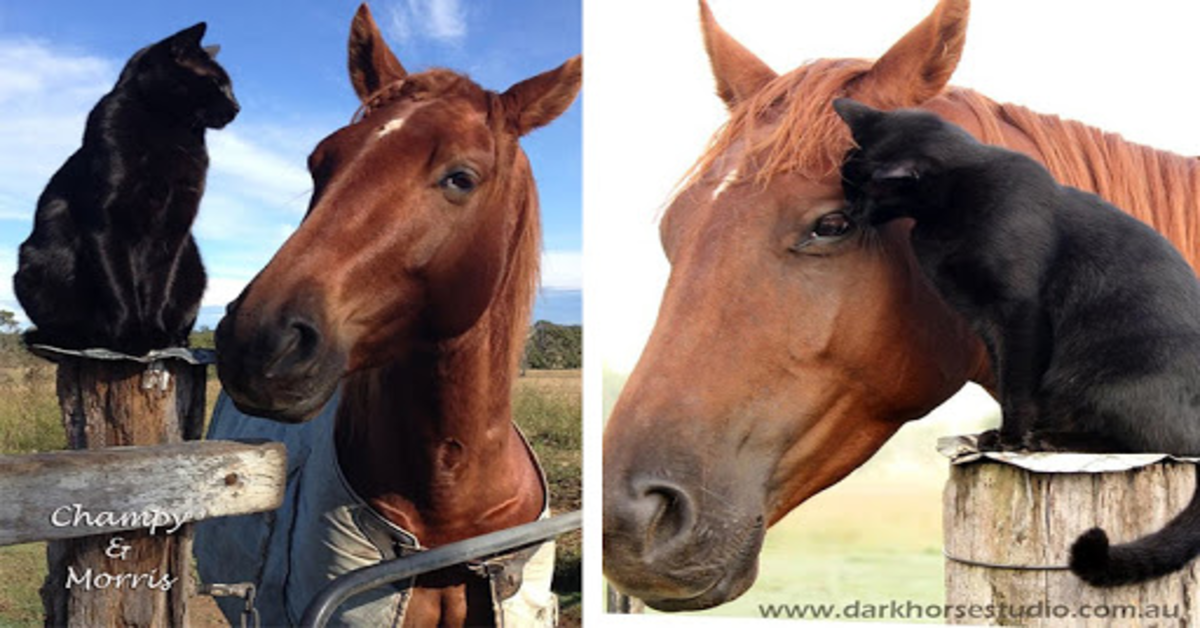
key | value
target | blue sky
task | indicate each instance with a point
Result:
(288, 64)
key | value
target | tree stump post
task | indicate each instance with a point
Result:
(1008, 532)
(94, 581)
(622, 604)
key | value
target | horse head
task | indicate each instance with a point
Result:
(423, 216)
(791, 343)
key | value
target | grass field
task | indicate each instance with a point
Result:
(866, 541)
(547, 406)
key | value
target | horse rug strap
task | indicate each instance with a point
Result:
(324, 530)
(513, 604)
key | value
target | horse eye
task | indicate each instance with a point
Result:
(458, 182)
(832, 225)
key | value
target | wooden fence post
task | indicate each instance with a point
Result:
(109, 403)
(622, 604)
(1019, 522)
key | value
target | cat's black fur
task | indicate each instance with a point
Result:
(111, 261)
(1091, 318)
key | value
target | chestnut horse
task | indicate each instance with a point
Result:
(791, 343)
(404, 297)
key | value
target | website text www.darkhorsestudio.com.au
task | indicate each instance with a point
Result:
(909, 610)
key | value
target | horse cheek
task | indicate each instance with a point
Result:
(462, 287)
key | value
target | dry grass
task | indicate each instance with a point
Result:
(547, 405)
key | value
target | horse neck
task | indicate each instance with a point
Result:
(1158, 187)
(429, 442)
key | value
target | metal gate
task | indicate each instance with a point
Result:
(322, 607)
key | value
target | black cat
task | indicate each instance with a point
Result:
(111, 262)
(1091, 318)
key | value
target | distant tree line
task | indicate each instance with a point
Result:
(553, 346)
(550, 346)
(12, 352)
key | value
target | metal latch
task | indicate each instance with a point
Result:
(244, 590)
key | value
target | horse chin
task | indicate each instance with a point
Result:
(298, 409)
(290, 400)
(696, 578)
(726, 589)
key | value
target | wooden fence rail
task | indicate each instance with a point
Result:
(117, 511)
(72, 494)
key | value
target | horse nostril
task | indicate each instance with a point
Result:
(296, 346)
(308, 339)
(670, 516)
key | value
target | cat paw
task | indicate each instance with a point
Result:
(994, 440)
(988, 441)
(1069, 442)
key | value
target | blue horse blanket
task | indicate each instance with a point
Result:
(323, 530)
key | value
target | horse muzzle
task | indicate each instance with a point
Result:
(676, 548)
(284, 371)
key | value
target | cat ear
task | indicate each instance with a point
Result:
(905, 169)
(538, 100)
(857, 116)
(212, 51)
(188, 39)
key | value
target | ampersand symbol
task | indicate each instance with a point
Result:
(117, 548)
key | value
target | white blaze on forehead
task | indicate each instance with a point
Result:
(729, 179)
(391, 125)
(395, 124)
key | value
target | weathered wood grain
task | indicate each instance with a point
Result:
(114, 404)
(622, 604)
(997, 513)
(73, 494)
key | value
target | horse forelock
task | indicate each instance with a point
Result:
(429, 85)
(790, 127)
(786, 127)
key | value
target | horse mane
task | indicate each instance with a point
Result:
(1159, 187)
(790, 127)
(513, 305)
(514, 301)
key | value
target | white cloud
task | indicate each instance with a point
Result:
(562, 270)
(446, 20)
(443, 21)
(222, 290)
(29, 67)
(258, 172)
(8, 267)
(45, 96)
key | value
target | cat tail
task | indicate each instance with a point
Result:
(1152, 556)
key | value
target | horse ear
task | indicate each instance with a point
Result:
(538, 100)
(919, 66)
(213, 50)
(739, 73)
(372, 64)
